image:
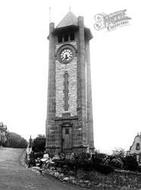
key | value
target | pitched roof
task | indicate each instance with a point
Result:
(69, 20)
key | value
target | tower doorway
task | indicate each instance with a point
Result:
(66, 137)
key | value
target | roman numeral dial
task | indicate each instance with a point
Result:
(66, 55)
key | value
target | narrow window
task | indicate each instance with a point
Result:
(72, 36)
(67, 131)
(59, 38)
(65, 37)
(137, 146)
(66, 91)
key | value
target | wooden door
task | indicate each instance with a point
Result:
(66, 138)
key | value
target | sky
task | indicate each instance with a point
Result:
(115, 68)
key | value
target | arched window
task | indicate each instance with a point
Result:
(137, 146)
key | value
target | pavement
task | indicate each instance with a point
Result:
(15, 176)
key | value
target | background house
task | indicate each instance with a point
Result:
(135, 149)
(3, 132)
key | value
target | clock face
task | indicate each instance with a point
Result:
(66, 55)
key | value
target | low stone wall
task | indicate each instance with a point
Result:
(118, 180)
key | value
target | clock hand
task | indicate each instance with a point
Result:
(66, 56)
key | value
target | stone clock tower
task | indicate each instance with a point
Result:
(69, 124)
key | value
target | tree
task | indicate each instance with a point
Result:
(15, 141)
(130, 163)
(119, 152)
(38, 144)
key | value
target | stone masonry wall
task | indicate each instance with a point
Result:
(71, 68)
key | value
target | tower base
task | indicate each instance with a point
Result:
(76, 150)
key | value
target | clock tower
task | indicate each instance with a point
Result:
(69, 124)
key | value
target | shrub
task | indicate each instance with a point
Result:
(115, 162)
(84, 163)
(139, 168)
(130, 163)
(38, 144)
(38, 155)
(104, 169)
